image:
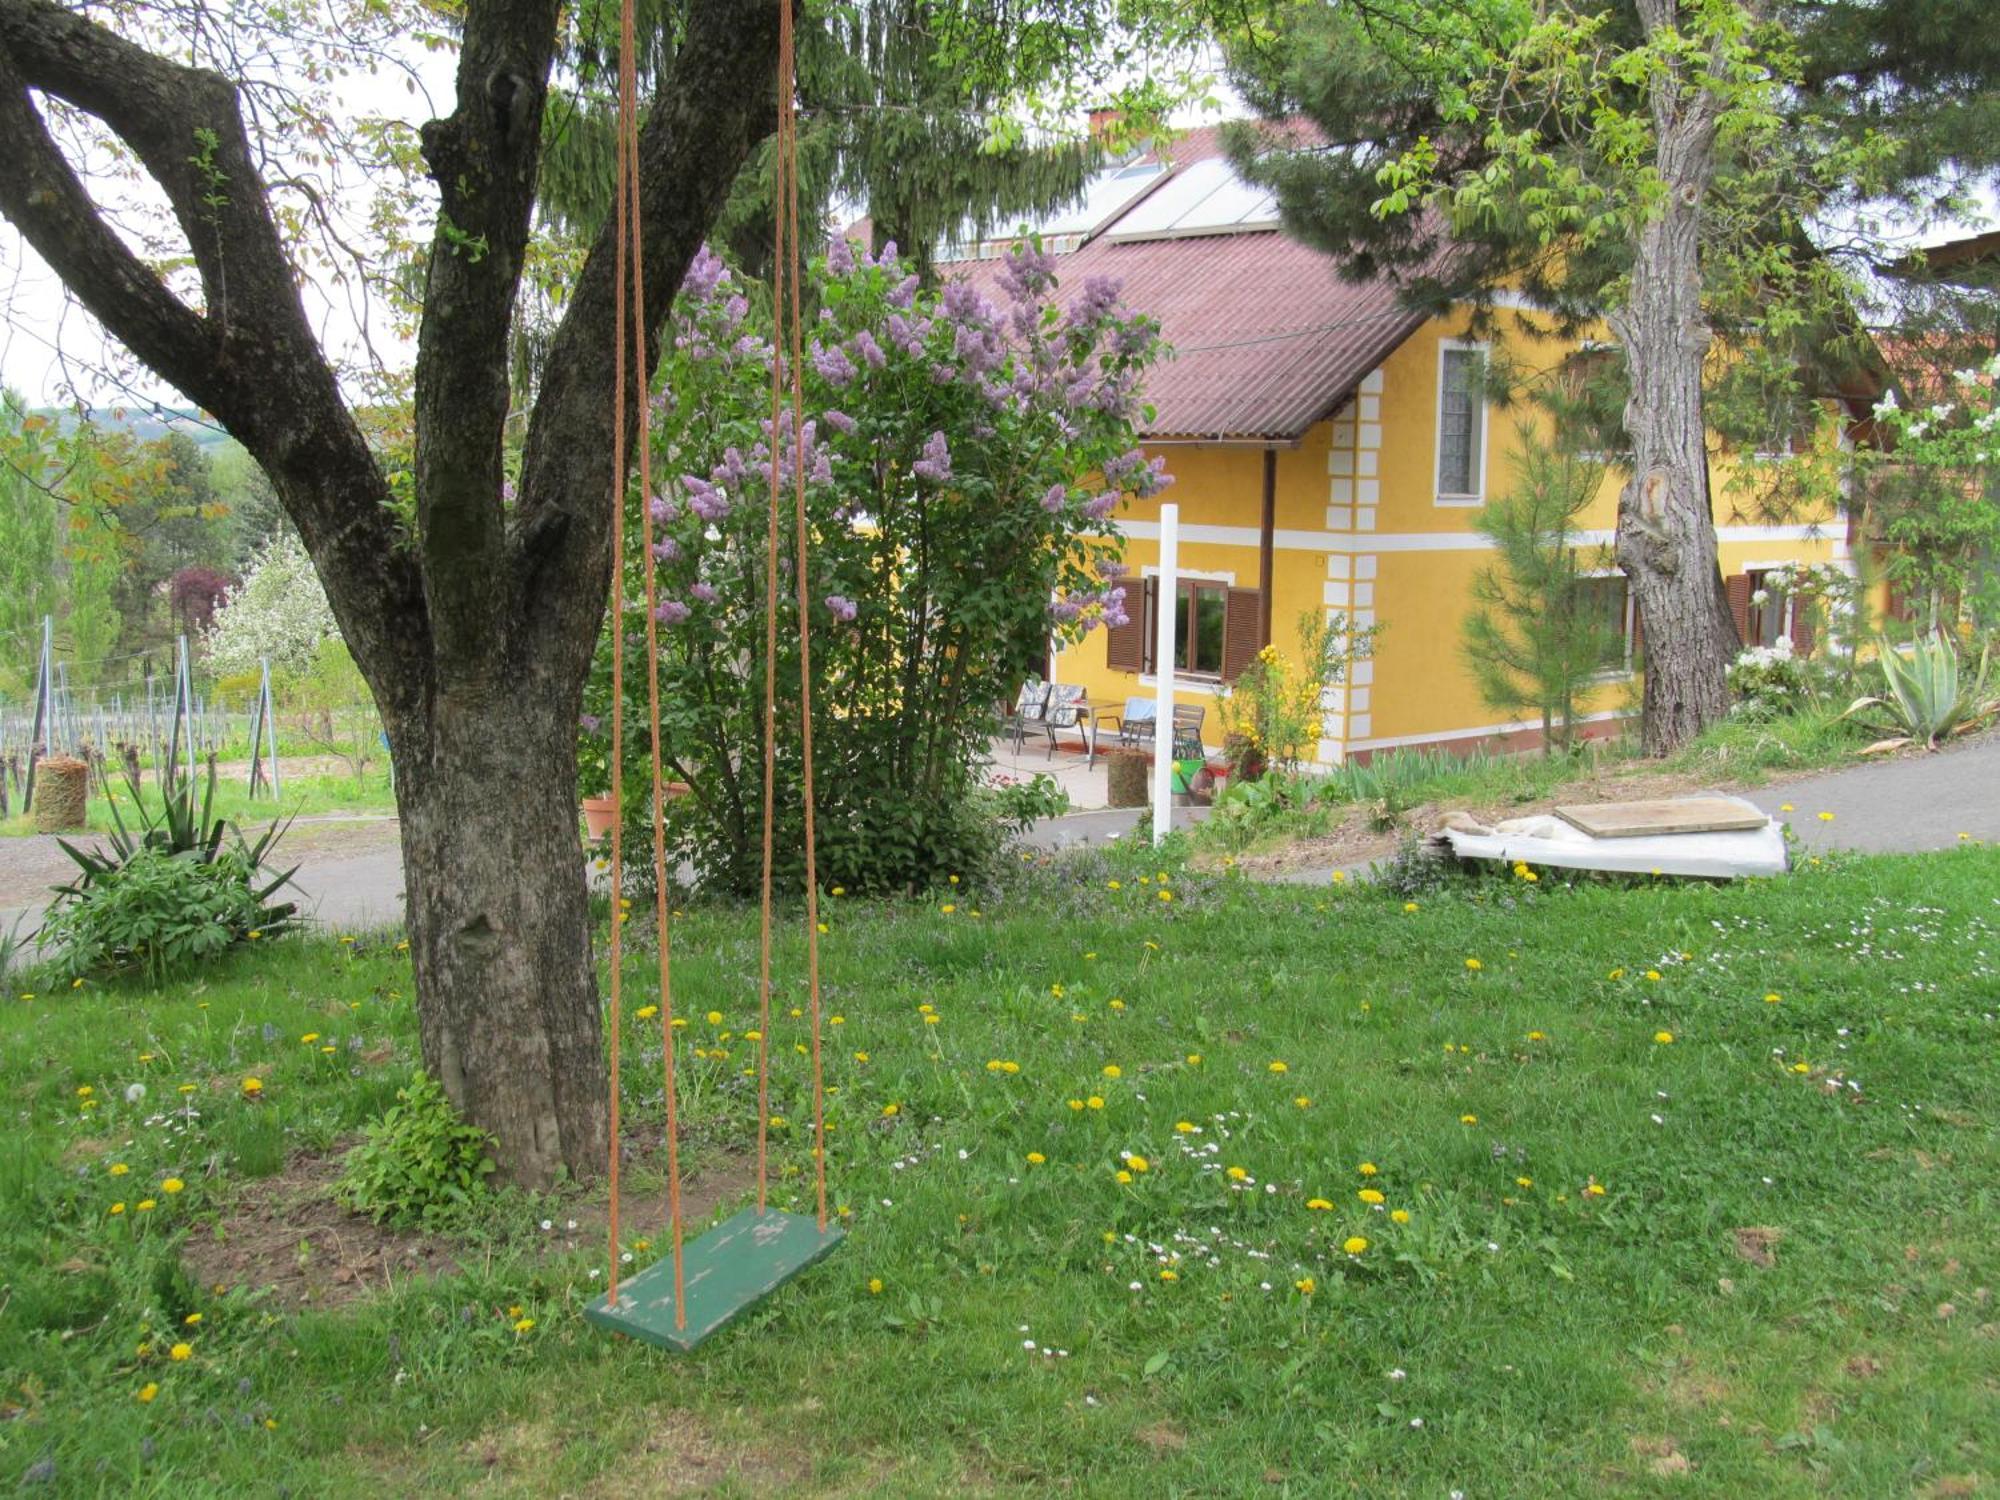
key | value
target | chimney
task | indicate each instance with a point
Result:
(1104, 122)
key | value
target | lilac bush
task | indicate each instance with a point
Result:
(962, 460)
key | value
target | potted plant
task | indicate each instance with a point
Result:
(593, 777)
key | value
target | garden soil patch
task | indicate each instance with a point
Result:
(290, 1236)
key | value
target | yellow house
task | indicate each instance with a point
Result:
(1330, 450)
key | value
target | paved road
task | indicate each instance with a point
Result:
(352, 871)
(1910, 804)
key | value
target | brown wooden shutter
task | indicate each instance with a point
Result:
(1125, 645)
(1242, 631)
(1803, 634)
(1737, 590)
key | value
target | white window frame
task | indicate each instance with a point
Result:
(1447, 347)
(1631, 624)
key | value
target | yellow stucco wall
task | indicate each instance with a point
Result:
(1359, 528)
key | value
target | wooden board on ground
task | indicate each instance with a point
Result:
(731, 1268)
(1625, 820)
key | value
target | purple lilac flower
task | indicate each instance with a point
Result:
(834, 367)
(712, 506)
(662, 509)
(935, 465)
(507, 491)
(736, 309)
(905, 291)
(870, 351)
(588, 723)
(840, 257)
(1065, 611)
(888, 255)
(666, 549)
(943, 374)
(1097, 507)
(705, 273)
(1113, 569)
(844, 609)
(1115, 469)
(1154, 478)
(1026, 272)
(840, 421)
(671, 612)
(1053, 501)
(704, 592)
(1100, 295)
(964, 303)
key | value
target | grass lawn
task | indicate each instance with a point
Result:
(1751, 1260)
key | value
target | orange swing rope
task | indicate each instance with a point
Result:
(630, 276)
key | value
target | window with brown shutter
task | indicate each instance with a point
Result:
(1243, 631)
(1125, 645)
(1803, 635)
(1737, 590)
(1217, 629)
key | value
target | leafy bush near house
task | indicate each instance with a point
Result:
(962, 461)
(1768, 681)
(417, 1165)
(1016, 805)
(166, 896)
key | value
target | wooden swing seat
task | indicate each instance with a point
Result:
(735, 1265)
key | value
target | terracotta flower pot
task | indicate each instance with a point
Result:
(599, 813)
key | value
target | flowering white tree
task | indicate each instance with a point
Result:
(278, 611)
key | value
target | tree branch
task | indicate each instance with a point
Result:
(250, 357)
(715, 102)
(484, 158)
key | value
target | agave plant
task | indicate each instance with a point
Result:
(184, 828)
(1927, 698)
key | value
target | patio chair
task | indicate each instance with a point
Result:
(1188, 719)
(1029, 707)
(1065, 710)
(1133, 724)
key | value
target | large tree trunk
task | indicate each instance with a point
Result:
(1666, 529)
(500, 929)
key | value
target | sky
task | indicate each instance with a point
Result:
(51, 350)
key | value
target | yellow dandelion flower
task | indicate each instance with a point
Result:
(891, 1110)
(1238, 1174)
(309, 1038)
(172, 1185)
(1409, 906)
(1474, 965)
(1801, 1067)
(1194, 1059)
(1536, 1036)
(191, 1319)
(149, 1390)
(1354, 1244)
(1368, 1169)
(1095, 1101)
(1279, 1067)
(646, 1012)
(1772, 998)
(1615, 974)
(1319, 1205)
(145, 1205)
(118, 1169)
(861, 1057)
(1076, 1104)
(1112, 1070)
(1370, 1195)
(250, 1086)
(181, 1352)
(118, 1208)
(1169, 1275)
(874, 1286)
(1303, 1101)
(1468, 1119)
(1306, 1285)
(1114, 885)
(1595, 1189)
(1400, 1215)
(1184, 1127)
(1138, 1164)
(1035, 1158)
(1526, 1182)
(1124, 1176)
(524, 1325)
(947, 909)
(1664, 1038)
(1826, 817)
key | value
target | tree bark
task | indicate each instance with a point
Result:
(1666, 528)
(499, 927)
(475, 640)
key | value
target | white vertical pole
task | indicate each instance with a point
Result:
(1163, 670)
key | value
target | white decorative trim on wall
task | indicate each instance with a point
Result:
(1292, 540)
(1478, 731)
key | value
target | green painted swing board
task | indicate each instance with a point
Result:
(728, 1270)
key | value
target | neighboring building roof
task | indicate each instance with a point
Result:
(1976, 258)
(1266, 337)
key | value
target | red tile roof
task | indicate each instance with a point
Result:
(1266, 338)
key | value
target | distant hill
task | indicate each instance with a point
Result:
(149, 423)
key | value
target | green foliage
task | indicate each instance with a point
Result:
(1928, 699)
(331, 709)
(1018, 805)
(1538, 635)
(1271, 712)
(963, 466)
(162, 897)
(419, 1165)
(1768, 682)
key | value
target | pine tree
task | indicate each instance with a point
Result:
(1540, 631)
